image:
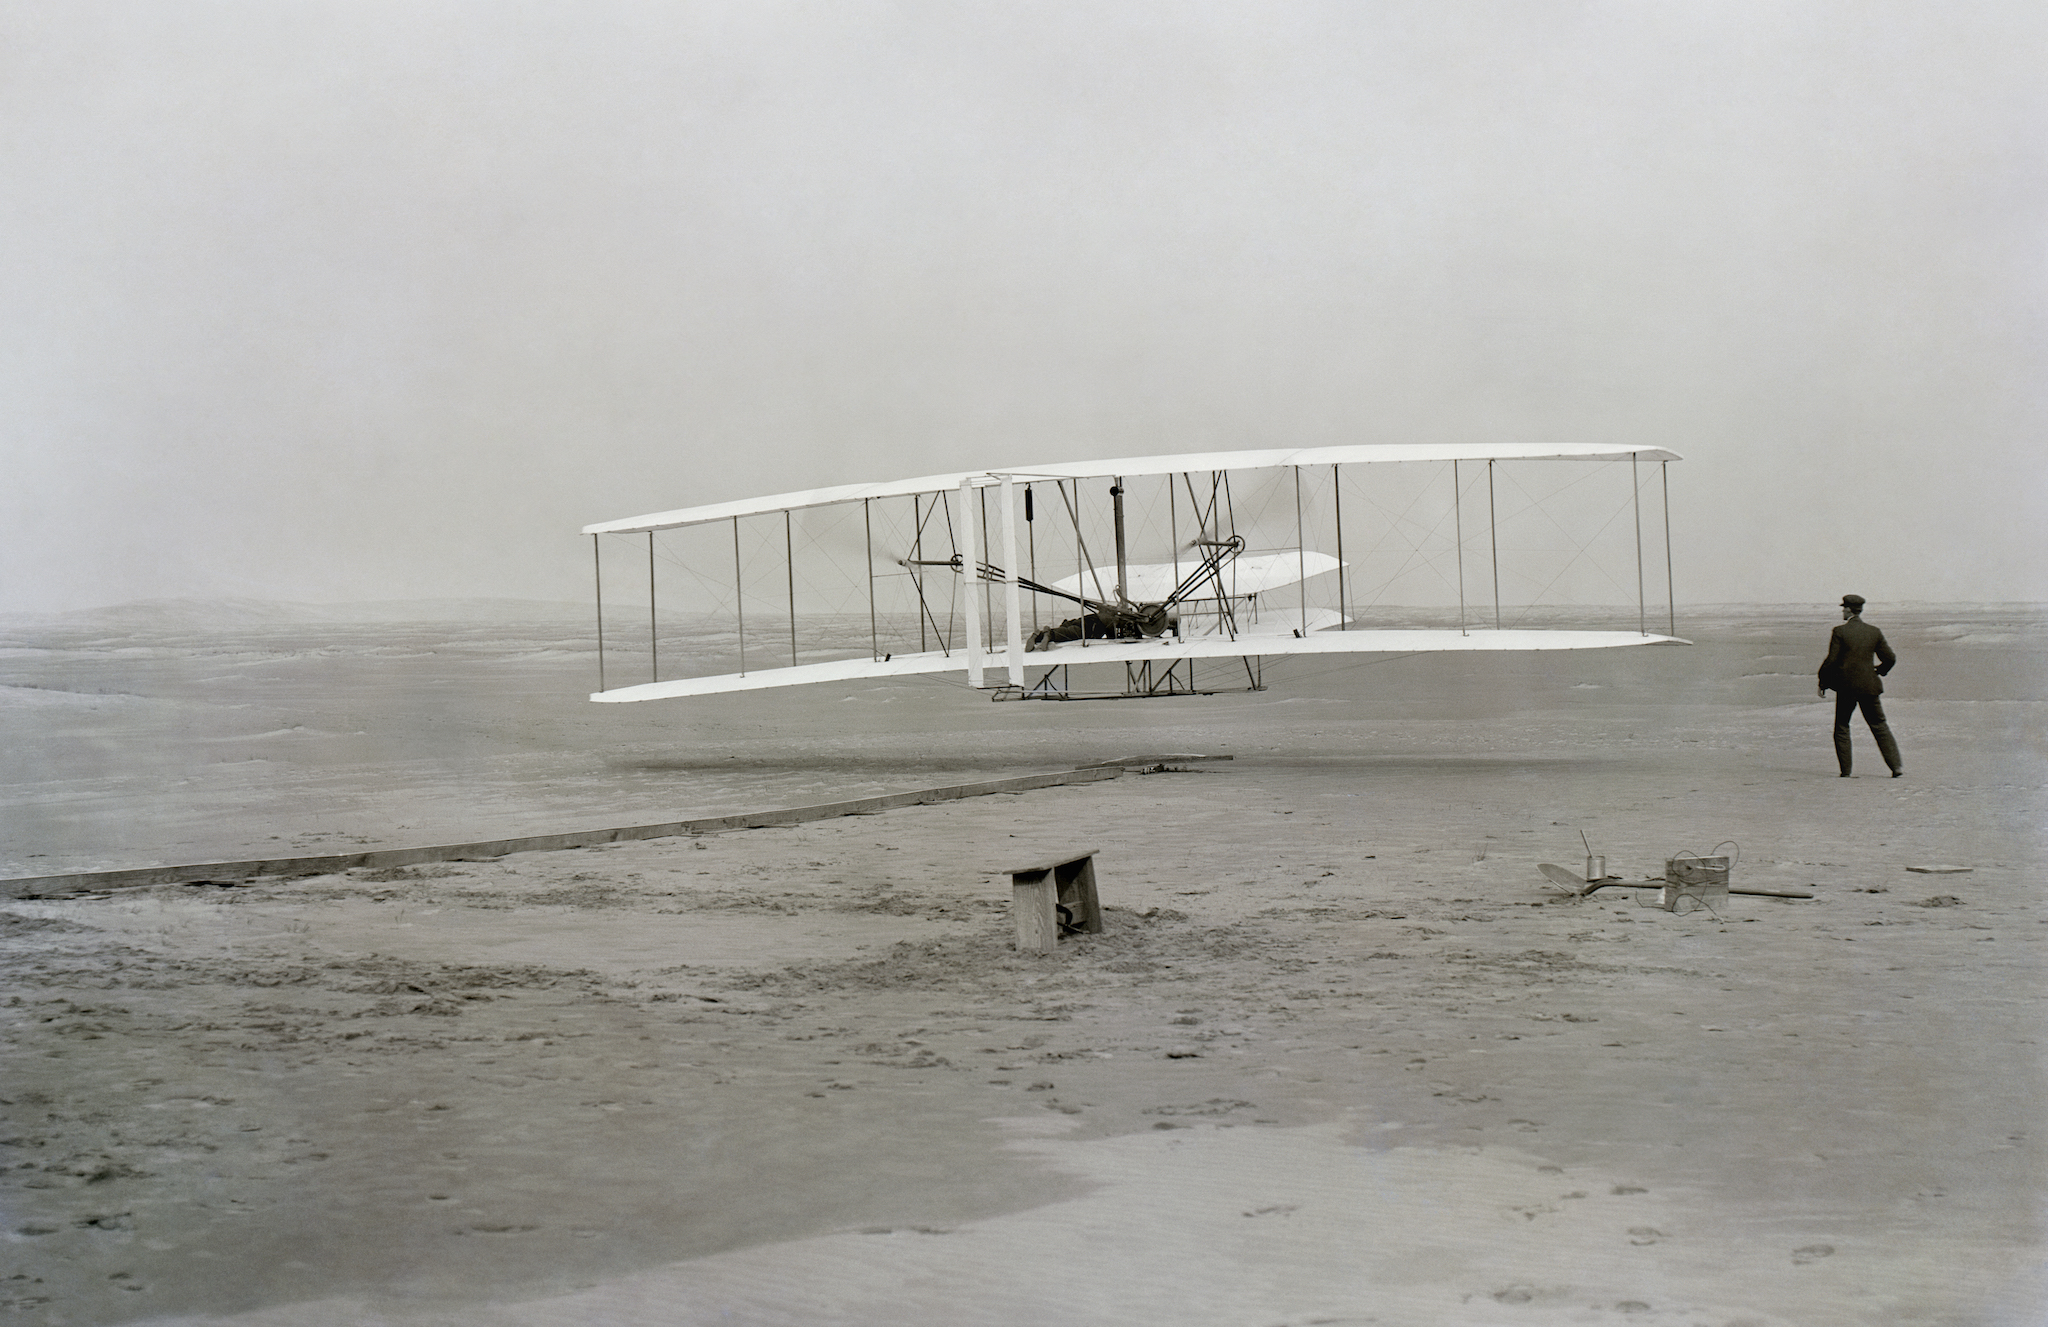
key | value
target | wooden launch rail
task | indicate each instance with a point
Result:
(89, 882)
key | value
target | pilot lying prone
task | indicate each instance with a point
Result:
(1108, 623)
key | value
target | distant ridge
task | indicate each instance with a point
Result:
(203, 613)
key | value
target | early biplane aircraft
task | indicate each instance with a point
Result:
(1247, 560)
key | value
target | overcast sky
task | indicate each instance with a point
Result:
(369, 300)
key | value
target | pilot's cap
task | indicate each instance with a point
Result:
(1852, 601)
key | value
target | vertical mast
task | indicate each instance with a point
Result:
(1116, 497)
(1031, 541)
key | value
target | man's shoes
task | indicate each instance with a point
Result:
(1898, 774)
(1844, 775)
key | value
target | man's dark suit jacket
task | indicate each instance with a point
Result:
(1850, 649)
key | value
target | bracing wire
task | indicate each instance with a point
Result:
(1579, 551)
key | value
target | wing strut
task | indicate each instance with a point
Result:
(1337, 489)
(789, 564)
(739, 594)
(1635, 494)
(914, 561)
(1300, 549)
(1458, 517)
(867, 528)
(1670, 595)
(1226, 616)
(970, 595)
(1013, 617)
(597, 565)
(1493, 538)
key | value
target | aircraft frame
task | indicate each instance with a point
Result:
(1138, 614)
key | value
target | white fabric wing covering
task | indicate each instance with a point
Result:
(1190, 462)
(1160, 650)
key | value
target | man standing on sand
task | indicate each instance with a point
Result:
(1849, 673)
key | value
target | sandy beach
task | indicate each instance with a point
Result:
(383, 382)
(1339, 1056)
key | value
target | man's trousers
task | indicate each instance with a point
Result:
(1846, 704)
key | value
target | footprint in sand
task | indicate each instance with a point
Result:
(1812, 1253)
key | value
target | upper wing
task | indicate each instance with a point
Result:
(1135, 465)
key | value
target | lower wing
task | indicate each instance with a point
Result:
(1161, 649)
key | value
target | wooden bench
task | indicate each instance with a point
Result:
(1054, 897)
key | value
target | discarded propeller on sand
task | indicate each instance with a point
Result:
(1569, 881)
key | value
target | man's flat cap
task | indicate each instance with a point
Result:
(1852, 601)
